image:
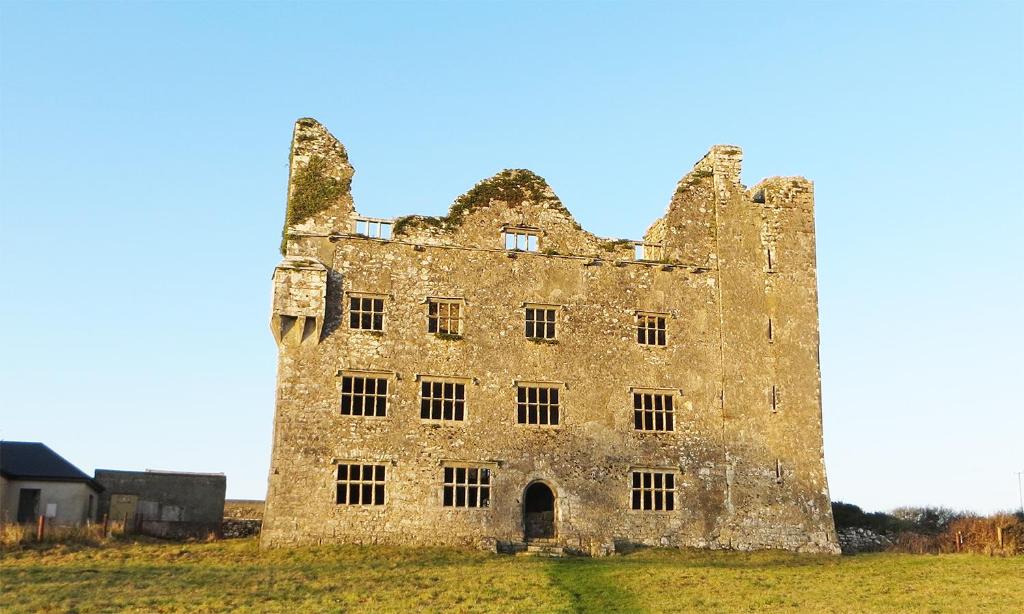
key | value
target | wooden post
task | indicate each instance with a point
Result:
(999, 536)
(125, 525)
(106, 526)
(41, 528)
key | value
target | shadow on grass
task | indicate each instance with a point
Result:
(726, 559)
(590, 586)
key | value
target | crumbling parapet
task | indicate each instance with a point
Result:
(319, 190)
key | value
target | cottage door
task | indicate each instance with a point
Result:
(28, 504)
(122, 507)
(539, 511)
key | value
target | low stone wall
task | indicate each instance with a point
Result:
(242, 518)
(240, 527)
(178, 530)
(855, 539)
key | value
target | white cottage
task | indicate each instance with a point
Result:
(36, 481)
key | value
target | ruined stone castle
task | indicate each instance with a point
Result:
(500, 376)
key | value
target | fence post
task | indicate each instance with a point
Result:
(40, 528)
(106, 526)
(999, 536)
(125, 526)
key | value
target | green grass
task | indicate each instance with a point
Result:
(234, 575)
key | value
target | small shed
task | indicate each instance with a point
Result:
(36, 481)
(164, 503)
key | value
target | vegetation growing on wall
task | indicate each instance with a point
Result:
(611, 245)
(314, 191)
(513, 186)
(415, 221)
(693, 178)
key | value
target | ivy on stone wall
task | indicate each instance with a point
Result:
(313, 191)
(513, 186)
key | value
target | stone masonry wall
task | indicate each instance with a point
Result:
(746, 449)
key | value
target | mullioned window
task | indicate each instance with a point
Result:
(653, 491)
(360, 484)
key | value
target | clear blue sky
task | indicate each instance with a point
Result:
(143, 162)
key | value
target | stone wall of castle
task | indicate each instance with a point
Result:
(739, 363)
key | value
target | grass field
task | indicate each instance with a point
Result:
(234, 575)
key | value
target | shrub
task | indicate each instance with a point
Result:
(981, 535)
(927, 520)
(848, 515)
(14, 536)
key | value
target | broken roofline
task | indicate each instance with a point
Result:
(721, 161)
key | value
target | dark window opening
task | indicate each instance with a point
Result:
(653, 412)
(540, 322)
(467, 487)
(360, 484)
(537, 405)
(650, 329)
(442, 400)
(364, 396)
(366, 313)
(653, 491)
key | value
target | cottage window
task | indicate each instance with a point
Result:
(537, 405)
(366, 312)
(520, 239)
(442, 400)
(364, 396)
(653, 491)
(467, 486)
(540, 322)
(444, 316)
(360, 484)
(650, 329)
(653, 411)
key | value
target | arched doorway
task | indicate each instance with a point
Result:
(539, 511)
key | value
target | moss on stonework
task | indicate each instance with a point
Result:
(693, 179)
(414, 221)
(448, 336)
(610, 245)
(513, 186)
(313, 191)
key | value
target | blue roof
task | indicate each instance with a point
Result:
(29, 460)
